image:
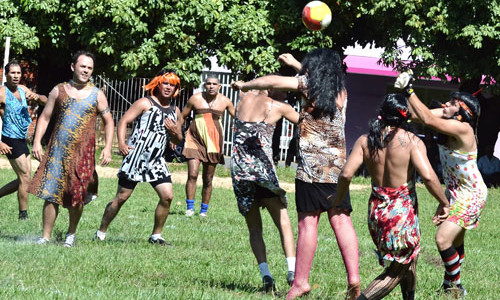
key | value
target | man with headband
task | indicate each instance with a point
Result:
(156, 125)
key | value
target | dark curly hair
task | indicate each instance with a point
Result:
(324, 70)
(393, 112)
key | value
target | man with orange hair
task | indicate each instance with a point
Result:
(155, 128)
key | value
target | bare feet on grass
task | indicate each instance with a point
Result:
(298, 291)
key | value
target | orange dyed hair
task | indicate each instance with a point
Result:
(168, 76)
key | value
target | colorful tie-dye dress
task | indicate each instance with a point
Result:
(393, 223)
(465, 188)
(204, 137)
(67, 170)
(252, 163)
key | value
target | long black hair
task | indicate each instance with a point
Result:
(393, 112)
(325, 75)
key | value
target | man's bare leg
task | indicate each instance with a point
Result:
(166, 194)
(22, 166)
(114, 206)
(307, 242)
(279, 214)
(348, 244)
(206, 191)
(193, 169)
(50, 212)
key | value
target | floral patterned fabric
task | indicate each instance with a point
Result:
(393, 223)
(322, 146)
(252, 163)
(465, 188)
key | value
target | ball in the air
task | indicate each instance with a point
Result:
(316, 15)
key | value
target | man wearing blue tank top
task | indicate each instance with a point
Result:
(16, 120)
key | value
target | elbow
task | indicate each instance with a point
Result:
(346, 176)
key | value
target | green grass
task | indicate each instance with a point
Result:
(211, 258)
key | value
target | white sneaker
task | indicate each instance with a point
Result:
(189, 212)
(99, 236)
(69, 241)
(203, 214)
(42, 241)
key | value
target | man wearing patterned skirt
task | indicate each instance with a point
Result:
(156, 125)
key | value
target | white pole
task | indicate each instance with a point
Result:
(5, 57)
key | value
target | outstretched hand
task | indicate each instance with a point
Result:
(441, 214)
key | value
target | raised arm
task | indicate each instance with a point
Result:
(107, 119)
(287, 59)
(419, 159)
(283, 83)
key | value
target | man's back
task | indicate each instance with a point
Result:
(258, 107)
(393, 166)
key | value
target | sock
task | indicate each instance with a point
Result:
(461, 253)
(190, 204)
(290, 262)
(451, 262)
(156, 236)
(264, 269)
(100, 234)
(203, 208)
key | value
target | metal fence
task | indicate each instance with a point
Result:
(121, 95)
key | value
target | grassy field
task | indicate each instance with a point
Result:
(211, 258)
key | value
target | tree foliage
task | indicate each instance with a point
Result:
(138, 37)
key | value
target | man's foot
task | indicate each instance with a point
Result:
(456, 291)
(69, 241)
(353, 291)
(99, 236)
(189, 212)
(42, 241)
(290, 277)
(23, 215)
(296, 291)
(159, 241)
(268, 284)
(203, 214)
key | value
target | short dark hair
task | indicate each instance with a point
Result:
(79, 53)
(11, 63)
(212, 75)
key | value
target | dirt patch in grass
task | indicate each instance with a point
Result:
(177, 177)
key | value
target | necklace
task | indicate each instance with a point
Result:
(86, 85)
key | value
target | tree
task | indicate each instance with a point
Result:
(138, 37)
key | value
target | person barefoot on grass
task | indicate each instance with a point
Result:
(392, 154)
(456, 123)
(322, 155)
(254, 177)
(156, 124)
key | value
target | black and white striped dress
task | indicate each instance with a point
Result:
(145, 163)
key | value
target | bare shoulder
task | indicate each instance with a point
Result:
(2, 93)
